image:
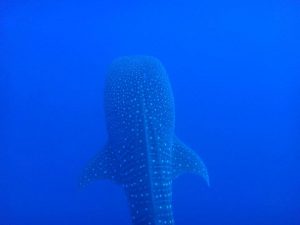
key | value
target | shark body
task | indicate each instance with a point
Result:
(142, 152)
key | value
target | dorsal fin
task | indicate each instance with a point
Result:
(103, 166)
(185, 160)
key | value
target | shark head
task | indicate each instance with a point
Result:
(136, 86)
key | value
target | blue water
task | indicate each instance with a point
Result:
(234, 67)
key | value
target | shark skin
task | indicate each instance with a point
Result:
(142, 152)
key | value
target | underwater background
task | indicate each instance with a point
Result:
(234, 67)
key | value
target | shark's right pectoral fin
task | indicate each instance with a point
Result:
(185, 160)
(103, 166)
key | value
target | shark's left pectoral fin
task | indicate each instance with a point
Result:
(185, 160)
(102, 167)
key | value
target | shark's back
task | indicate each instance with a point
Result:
(138, 94)
(142, 153)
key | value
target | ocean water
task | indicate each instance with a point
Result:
(234, 67)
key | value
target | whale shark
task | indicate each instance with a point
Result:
(142, 153)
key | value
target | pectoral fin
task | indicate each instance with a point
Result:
(185, 160)
(103, 166)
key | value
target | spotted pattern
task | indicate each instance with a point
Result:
(142, 154)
